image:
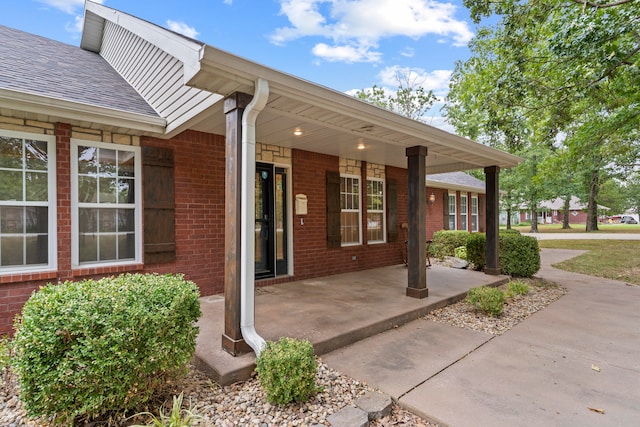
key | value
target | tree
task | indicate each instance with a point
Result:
(410, 99)
(555, 73)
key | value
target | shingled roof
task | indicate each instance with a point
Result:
(456, 181)
(51, 69)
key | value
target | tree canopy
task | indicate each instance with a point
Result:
(559, 74)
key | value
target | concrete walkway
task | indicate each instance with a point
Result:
(584, 236)
(540, 373)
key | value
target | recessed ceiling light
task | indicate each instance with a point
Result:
(297, 132)
(361, 146)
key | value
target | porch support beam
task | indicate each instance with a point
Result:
(417, 213)
(492, 213)
(232, 341)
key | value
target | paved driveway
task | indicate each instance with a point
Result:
(537, 374)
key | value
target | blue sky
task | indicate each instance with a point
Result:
(342, 44)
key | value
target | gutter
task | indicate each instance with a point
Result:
(247, 215)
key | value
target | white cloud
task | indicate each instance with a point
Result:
(408, 52)
(436, 80)
(229, 2)
(349, 54)
(182, 28)
(67, 6)
(365, 22)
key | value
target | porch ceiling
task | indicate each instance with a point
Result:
(332, 122)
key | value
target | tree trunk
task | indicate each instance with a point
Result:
(508, 218)
(592, 207)
(565, 213)
(534, 220)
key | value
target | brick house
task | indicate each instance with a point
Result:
(146, 151)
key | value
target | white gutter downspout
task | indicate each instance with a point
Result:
(247, 217)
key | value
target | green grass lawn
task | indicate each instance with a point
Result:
(580, 228)
(613, 259)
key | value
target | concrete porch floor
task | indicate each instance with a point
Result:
(331, 312)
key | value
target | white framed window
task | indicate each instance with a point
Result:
(375, 211)
(474, 213)
(452, 212)
(106, 205)
(28, 227)
(350, 218)
(464, 212)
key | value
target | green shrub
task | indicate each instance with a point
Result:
(519, 255)
(516, 288)
(460, 252)
(476, 250)
(509, 231)
(86, 348)
(287, 370)
(445, 242)
(5, 356)
(486, 299)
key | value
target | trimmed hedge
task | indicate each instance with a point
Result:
(476, 244)
(519, 255)
(445, 242)
(287, 370)
(85, 348)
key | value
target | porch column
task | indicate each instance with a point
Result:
(232, 341)
(417, 213)
(492, 214)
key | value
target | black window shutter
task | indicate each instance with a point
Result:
(333, 210)
(445, 211)
(392, 210)
(159, 205)
(481, 224)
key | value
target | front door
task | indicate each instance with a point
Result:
(270, 225)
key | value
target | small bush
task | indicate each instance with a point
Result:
(5, 356)
(461, 252)
(516, 288)
(287, 370)
(487, 299)
(519, 255)
(476, 250)
(509, 231)
(86, 348)
(445, 242)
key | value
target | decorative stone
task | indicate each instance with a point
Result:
(376, 405)
(349, 417)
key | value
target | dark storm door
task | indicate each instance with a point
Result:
(271, 225)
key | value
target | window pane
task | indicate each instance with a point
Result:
(125, 191)
(36, 186)
(126, 246)
(108, 247)
(107, 190)
(107, 162)
(11, 220)
(11, 250)
(87, 189)
(10, 152)
(11, 185)
(37, 219)
(88, 247)
(107, 221)
(37, 249)
(126, 163)
(374, 227)
(126, 220)
(88, 220)
(88, 160)
(36, 155)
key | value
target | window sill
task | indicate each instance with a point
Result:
(106, 269)
(31, 276)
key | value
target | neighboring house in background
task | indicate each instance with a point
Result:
(456, 201)
(552, 212)
(127, 153)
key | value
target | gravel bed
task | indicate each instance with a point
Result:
(245, 404)
(462, 315)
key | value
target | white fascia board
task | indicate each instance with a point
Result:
(37, 104)
(187, 50)
(457, 187)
